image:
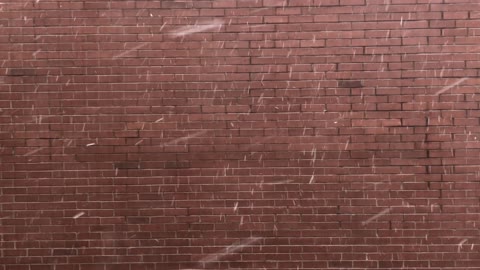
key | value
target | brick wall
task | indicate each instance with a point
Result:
(247, 134)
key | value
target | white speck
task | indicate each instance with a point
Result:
(158, 120)
(311, 179)
(78, 215)
(385, 211)
(90, 144)
(451, 85)
(139, 142)
(187, 30)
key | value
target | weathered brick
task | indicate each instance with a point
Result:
(350, 84)
(21, 72)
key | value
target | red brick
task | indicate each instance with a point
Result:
(377, 123)
(224, 4)
(274, 3)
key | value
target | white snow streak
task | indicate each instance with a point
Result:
(34, 151)
(385, 211)
(78, 215)
(279, 182)
(446, 88)
(235, 207)
(191, 29)
(131, 50)
(259, 10)
(186, 137)
(36, 52)
(461, 244)
(230, 249)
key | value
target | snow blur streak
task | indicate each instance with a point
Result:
(446, 88)
(34, 151)
(461, 244)
(230, 249)
(259, 10)
(385, 211)
(235, 207)
(131, 50)
(187, 30)
(78, 215)
(279, 182)
(312, 179)
(186, 137)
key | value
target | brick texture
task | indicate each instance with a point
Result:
(239, 134)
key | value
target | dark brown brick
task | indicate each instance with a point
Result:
(21, 72)
(350, 84)
(127, 165)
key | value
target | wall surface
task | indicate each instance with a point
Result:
(247, 134)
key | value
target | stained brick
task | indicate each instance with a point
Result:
(127, 165)
(350, 84)
(21, 72)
